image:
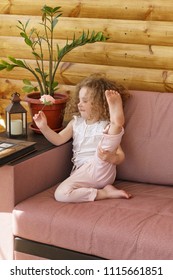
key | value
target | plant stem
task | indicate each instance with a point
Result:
(36, 76)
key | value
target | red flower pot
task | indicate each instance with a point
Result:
(54, 112)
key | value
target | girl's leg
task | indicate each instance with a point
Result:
(116, 112)
(115, 128)
(114, 132)
(77, 187)
(70, 191)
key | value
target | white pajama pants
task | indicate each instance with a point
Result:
(82, 184)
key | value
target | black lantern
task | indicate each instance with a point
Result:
(16, 118)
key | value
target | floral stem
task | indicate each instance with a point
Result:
(42, 108)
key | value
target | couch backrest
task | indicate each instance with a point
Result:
(148, 138)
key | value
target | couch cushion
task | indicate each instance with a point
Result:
(148, 138)
(138, 228)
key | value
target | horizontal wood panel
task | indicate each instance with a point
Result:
(119, 31)
(132, 55)
(9, 86)
(131, 9)
(133, 78)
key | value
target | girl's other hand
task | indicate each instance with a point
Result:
(115, 157)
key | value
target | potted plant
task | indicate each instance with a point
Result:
(47, 85)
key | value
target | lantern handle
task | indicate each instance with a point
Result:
(15, 97)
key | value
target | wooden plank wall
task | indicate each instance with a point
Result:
(138, 54)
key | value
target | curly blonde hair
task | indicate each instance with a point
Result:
(97, 85)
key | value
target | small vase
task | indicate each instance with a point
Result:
(54, 112)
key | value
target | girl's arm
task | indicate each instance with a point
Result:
(55, 138)
(115, 157)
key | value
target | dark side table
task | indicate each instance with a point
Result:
(41, 143)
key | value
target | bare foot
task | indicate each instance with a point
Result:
(111, 192)
(116, 111)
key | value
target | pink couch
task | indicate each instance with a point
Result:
(139, 228)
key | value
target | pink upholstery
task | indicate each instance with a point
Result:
(139, 228)
(148, 139)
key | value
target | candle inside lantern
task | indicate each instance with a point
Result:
(16, 127)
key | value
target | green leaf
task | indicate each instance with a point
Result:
(56, 9)
(2, 67)
(20, 22)
(45, 75)
(36, 55)
(26, 82)
(29, 88)
(19, 62)
(22, 34)
(5, 63)
(55, 84)
(27, 23)
(11, 58)
(38, 70)
(47, 10)
(28, 42)
(55, 89)
(21, 25)
(99, 36)
(10, 67)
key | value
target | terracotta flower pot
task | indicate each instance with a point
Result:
(54, 113)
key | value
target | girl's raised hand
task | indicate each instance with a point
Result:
(40, 119)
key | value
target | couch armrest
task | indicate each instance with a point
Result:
(22, 180)
(25, 179)
(41, 172)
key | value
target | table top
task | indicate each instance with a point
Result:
(41, 144)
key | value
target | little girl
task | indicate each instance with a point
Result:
(98, 127)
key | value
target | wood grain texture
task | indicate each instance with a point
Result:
(124, 9)
(138, 53)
